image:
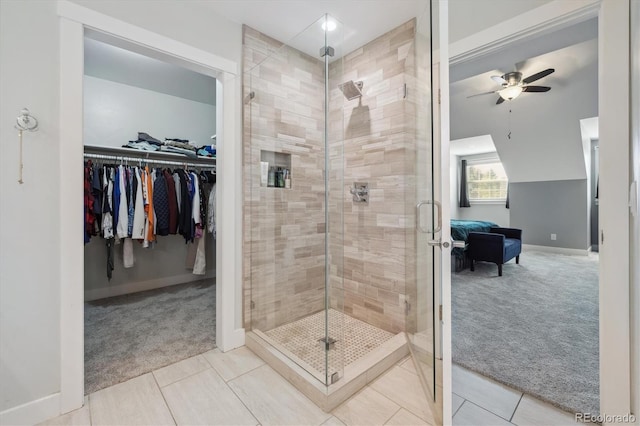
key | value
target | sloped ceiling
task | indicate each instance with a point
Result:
(112, 63)
(546, 141)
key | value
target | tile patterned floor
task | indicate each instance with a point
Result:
(354, 339)
(237, 388)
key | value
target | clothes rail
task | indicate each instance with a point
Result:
(150, 157)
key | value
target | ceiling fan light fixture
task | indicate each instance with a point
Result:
(510, 92)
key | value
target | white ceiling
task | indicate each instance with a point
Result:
(360, 21)
(471, 146)
(468, 17)
(112, 63)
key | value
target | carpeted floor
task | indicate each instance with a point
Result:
(534, 329)
(129, 335)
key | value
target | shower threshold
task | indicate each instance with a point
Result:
(360, 354)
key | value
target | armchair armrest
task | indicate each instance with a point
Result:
(508, 232)
(486, 241)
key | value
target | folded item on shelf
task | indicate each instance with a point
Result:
(175, 149)
(142, 146)
(211, 149)
(181, 145)
(142, 136)
(177, 140)
(205, 153)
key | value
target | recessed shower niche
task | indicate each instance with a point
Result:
(331, 297)
(275, 169)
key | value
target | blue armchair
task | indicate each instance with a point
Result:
(499, 246)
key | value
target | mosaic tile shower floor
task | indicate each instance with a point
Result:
(354, 339)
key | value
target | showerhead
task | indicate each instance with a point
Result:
(351, 90)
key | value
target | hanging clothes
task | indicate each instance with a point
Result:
(127, 253)
(123, 210)
(172, 201)
(107, 203)
(211, 216)
(161, 204)
(186, 219)
(137, 232)
(149, 214)
(89, 215)
(136, 203)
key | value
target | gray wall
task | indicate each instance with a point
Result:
(552, 207)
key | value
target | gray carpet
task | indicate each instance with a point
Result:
(534, 329)
(129, 335)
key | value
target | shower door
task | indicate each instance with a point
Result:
(425, 243)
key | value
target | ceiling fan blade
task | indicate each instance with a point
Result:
(536, 89)
(537, 76)
(481, 94)
(500, 100)
(498, 79)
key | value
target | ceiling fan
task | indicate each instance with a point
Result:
(513, 85)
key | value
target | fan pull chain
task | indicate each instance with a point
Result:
(509, 121)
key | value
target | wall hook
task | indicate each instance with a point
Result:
(24, 122)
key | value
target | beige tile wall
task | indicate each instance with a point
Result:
(283, 228)
(372, 247)
(379, 148)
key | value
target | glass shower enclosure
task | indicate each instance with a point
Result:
(338, 198)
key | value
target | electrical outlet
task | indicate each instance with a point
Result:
(553, 237)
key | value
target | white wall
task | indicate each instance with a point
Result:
(635, 221)
(116, 112)
(29, 284)
(29, 271)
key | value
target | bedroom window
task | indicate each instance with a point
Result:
(486, 181)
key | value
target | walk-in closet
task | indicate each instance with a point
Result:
(149, 203)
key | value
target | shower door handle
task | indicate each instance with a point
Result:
(419, 216)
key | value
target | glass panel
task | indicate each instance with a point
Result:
(294, 255)
(334, 184)
(422, 290)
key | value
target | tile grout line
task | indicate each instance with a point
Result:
(241, 401)
(385, 396)
(183, 378)
(458, 409)
(484, 409)
(396, 412)
(517, 405)
(166, 403)
(90, 413)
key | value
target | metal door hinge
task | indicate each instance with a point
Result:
(407, 307)
(440, 312)
(601, 237)
(253, 304)
(439, 97)
(405, 91)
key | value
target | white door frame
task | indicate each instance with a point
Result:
(614, 170)
(74, 19)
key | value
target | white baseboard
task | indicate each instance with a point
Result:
(135, 287)
(558, 250)
(32, 412)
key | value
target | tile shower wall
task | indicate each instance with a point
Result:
(379, 148)
(283, 228)
(372, 253)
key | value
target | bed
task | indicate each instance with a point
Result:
(460, 232)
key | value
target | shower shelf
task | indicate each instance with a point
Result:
(275, 159)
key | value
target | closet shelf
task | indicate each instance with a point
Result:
(129, 154)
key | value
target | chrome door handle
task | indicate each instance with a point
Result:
(439, 243)
(419, 221)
